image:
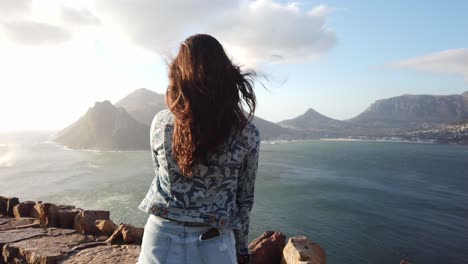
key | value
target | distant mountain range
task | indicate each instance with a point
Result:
(412, 111)
(125, 125)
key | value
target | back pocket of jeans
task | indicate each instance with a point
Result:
(156, 245)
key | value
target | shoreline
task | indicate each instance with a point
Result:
(379, 140)
(428, 142)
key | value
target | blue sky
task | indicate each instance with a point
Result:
(59, 57)
(372, 35)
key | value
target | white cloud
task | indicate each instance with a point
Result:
(453, 61)
(34, 33)
(66, 54)
(79, 16)
(253, 32)
(8, 7)
(321, 10)
(39, 22)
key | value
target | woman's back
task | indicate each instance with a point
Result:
(205, 155)
(218, 193)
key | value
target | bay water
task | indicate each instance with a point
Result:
(363, 202)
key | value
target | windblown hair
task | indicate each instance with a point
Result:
(206, 94)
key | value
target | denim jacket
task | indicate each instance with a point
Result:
(220, 193)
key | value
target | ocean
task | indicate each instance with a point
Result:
(364, 202)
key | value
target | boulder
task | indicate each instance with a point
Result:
(37, 211)
(132, 235)
(304, 251)
(85, 220)
(114, 254)
(7, 204)
(105, 227)
(23, 209)
(3, 205)
(46, 213)
(66, 216)
(51, 215)
(126, 234)
(267, 248)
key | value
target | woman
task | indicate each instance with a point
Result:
(205, 157)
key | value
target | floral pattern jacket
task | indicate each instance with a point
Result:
(220, 193)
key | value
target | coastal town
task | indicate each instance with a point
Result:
(450, 134)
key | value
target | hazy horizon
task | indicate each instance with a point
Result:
(337, 57)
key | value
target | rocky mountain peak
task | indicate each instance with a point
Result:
(105, 127)
(311, 112)
(103, 104)
(143, 104)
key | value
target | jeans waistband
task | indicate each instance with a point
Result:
(192, 224)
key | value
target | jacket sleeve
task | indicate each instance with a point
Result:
(152, 136)
(245, 190)
(156, 135)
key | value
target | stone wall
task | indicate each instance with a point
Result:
(38, 232)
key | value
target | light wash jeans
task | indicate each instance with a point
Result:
(169, 242)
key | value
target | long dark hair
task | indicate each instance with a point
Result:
(206, 94)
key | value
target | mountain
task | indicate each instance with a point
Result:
(413, 111)
(269, 130)
(125, 126)
(105, 127)
(313, 120)
(143, 104)
(312, 124)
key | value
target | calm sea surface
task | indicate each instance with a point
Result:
(364, 202)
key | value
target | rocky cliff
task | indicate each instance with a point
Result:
(105, 127)
(38, 232)
(412, 111)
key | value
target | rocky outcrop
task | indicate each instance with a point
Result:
(301, 250)
(267, 248)
(23, 209)
(49, 233)
(7, 204)
(14, 223)
(85, 221)
(105, 255)
(51, 215)
(106, 227)
(126, 234)
(56, 244)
